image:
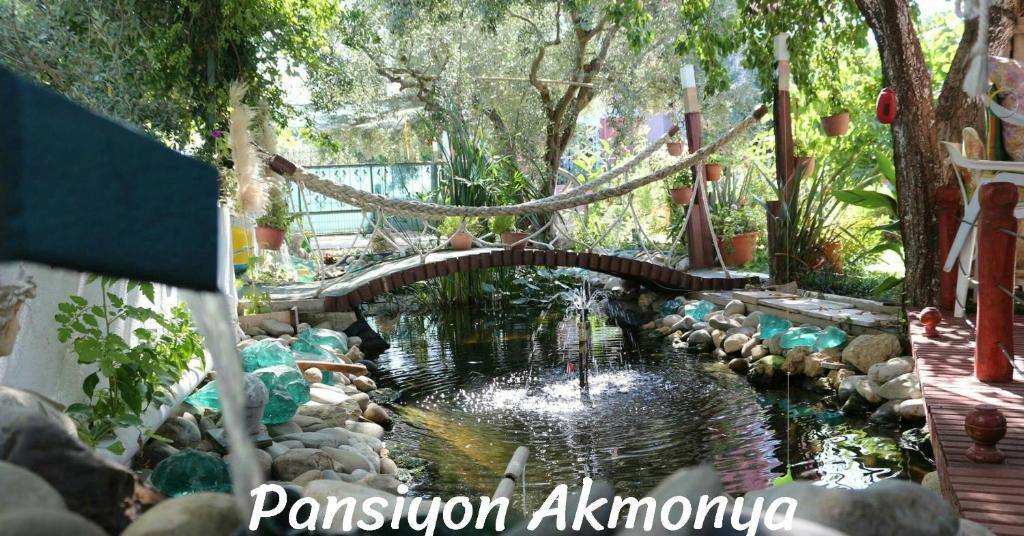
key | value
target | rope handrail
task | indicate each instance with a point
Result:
(370, 201)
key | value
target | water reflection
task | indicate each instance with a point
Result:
(475, 385)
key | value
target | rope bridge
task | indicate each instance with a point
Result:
(361, 273)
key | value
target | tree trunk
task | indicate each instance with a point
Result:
(955, 109)
(915, 145)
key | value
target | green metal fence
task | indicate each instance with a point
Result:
(409, 180)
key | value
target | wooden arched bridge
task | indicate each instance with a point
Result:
(348, 291)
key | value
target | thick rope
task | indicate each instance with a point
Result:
(413, 208)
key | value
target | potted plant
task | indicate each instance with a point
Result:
(271, 226)
(803, 164)
(713, 168)
(505, 226)
(674, 146)
(736, 232)
(681, 188)
(459, 239)
(837, 122)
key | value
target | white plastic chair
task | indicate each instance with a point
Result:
(964, 244)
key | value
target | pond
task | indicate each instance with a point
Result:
(475, 384)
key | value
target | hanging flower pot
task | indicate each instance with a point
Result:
(837, 124)
(461, 240)
(713, 172)
(269, 238)
(675, 148)
(681, 196)
(805, 165)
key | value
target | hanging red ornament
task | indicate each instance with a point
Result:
(885, 107)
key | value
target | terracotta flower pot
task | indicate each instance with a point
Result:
(675, 148)
(806, 163)
(511, 237)
(834, 255)
(740, 249)
(837, 124)
(461, 241)
(269, 238)
(681, 196)
(713, 172)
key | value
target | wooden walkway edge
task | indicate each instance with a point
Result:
(992, 495)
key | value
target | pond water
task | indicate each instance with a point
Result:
(475, 384)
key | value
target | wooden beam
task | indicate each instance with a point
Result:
(698, 231)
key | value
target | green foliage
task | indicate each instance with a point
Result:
(130, 375)
(277, 215)
(731, 221)
(503, 224)
(450, 225)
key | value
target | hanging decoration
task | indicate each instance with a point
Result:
(885, 106)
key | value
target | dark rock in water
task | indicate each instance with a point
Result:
(384, 395)
(886, 414)
(919, 439)
(369, 364)
(739, 365)
(191, 471)
(46, 522)
(857, 405)
(372, 343)
(625, 314)
(91, 486)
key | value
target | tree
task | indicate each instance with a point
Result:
(164, 66)
(827, 30)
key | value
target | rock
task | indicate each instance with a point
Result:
(717, 338)
(329, 475)
(887, 370)
(189, 515)
(275, 450)
(856, 405)
(377, 415)
(837, 377)
(970, 528)
(335, 415)
(305, 421)
(313, 440)
(388, 466)
(753, 320)
(348, 458)
(264, 458)
(848, 386)
(254, 331)
(362, 399)
(749, 332)
(888, 506)
(348, 437)
(313, 375)
(671, 320)
(794, 363)
(869, 390)
(297, 461)
(14, 399)
(276, 328)
(291, 444)
(387, 483)
(24, 489)
(644, 300)
(735, 307)
(912, 409)
(723, 324)
(322, 490)
(368, 428)
(719, 354)
(774, 346)
(303, 326)
(734, 343)
(886, 413)
(813, 363)
(307, 477)
(749, 346)
(325, 394)
(44, 522)
(689, 322)
(866, 350)
(364, 384)
(354, 341)
(700, 340)
(154, 452)
(764, 370)
(901, 387)
(285, 428)
(739, 365)
(691, 483)
(930, 481)
(91, 486)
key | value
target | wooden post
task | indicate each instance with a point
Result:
(698, 231)
(994, 323)
(949, 210)
(785, 162)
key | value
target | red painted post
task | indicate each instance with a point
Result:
(698, 231)
(996, 256)
(949, 211)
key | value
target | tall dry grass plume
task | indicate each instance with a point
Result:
(252, 191)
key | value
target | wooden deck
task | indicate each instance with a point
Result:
(992, 495)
